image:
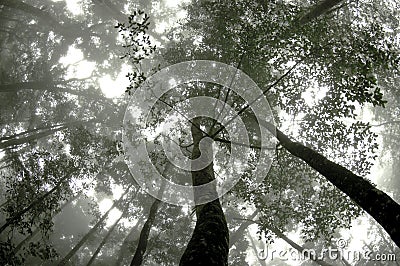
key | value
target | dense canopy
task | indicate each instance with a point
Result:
(71, 123)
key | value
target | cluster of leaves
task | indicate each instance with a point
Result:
(137, 44)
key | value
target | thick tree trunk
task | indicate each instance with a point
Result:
(91, 232)
(209, 244)
(375, 202)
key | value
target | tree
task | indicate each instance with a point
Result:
(209, 244)
(374, 201)
(205, 13)
(137, 259)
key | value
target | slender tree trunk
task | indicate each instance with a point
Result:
(105, 239)
(253, 245)
(144, 234)
(18, 216)
(11, 141)
(41, 128)
(91, 232)
(240, 231)
(318, 10)
(19, 141)
(48, 85)
(126, 245)
(375, 202)
(209, 244)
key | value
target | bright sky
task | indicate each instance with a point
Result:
(81, 68)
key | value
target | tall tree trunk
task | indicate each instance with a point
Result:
(137, 259)
(209, 244)
(105, 239)
(375, 202)
(144, 234)
(91, 232)
(11, 141)
(41, 128)
(18, 216)
(126, 244)
(46, 85)
(240, 231)
(19, 141)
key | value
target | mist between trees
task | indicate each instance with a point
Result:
(329, 71)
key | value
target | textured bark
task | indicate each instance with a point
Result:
(319, 9)
(209, 244)
(91, 232)
(375, 202)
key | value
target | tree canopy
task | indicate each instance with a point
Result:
(326, 70)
